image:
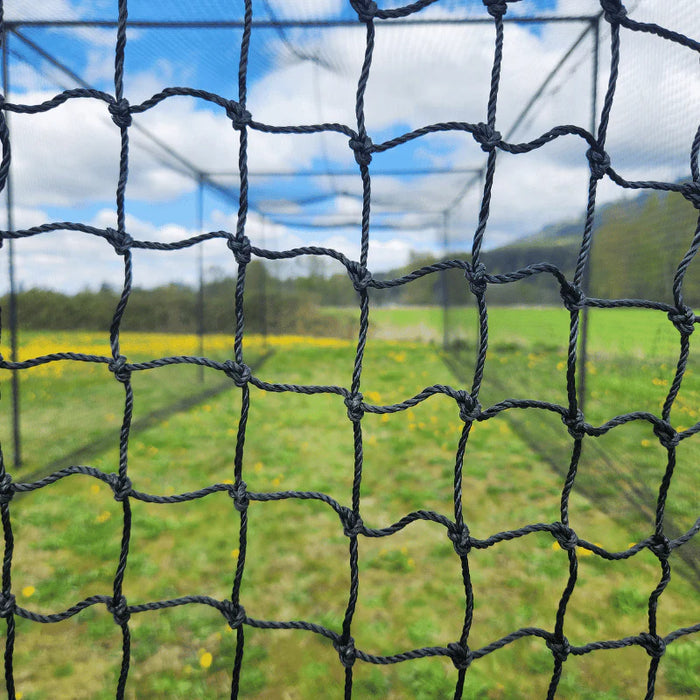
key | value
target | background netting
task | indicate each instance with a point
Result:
(574, 296)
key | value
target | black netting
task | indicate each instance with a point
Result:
(467, 402)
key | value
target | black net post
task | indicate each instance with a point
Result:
(9, 203)
(200, 261)
(444, 287)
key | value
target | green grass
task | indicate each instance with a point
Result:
(411, 592)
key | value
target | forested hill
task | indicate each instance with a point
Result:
(637, 245)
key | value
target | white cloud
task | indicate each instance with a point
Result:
(310, 9)
(420, 75)
(16, 10)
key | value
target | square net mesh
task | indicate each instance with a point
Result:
(350, 397)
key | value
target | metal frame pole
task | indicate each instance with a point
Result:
(443, 278)
(200, 294)
(9, 201)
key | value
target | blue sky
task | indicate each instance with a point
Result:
(65, 162)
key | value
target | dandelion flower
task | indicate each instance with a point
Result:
(205, 660)
(103, 517)
(28, 591)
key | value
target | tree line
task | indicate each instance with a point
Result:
(637, 246)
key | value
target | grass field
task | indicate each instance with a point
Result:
(411, 593)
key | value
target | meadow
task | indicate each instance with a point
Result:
(411, 594)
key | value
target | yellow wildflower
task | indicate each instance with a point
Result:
(205, 659)
(28, 591)
(103, 517)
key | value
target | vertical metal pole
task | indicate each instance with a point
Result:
(263, 289)
(200, 295)
(443, 278)
(583, 349)
(16, 435)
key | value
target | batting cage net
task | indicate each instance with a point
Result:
(355, 398)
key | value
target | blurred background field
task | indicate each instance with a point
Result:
(411, 594)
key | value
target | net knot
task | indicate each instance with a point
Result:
(560, 648)
(599, 162)
(240, 117)
(469, 407)
(496, 8)
(614, 10)
(121, 112)
(362, 147)
(666, 433)
(461, 655)
(361, 277)
(354, 405)
(121, 241)
(239, 493)
(654, 645)
(238, 371)
(346, 651)
(366, 9)
(477, 280)
(7, 604)
(7, 489)
(351, 521)
(565, 536)
(241, 249)
(118, 367)
(683, 319)
(691, 191)
(461, 539)
(487, 137)
(119, 610)
(660, 545)
(234, 613)
(575, 424)
(121, 486)
(573, 297)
